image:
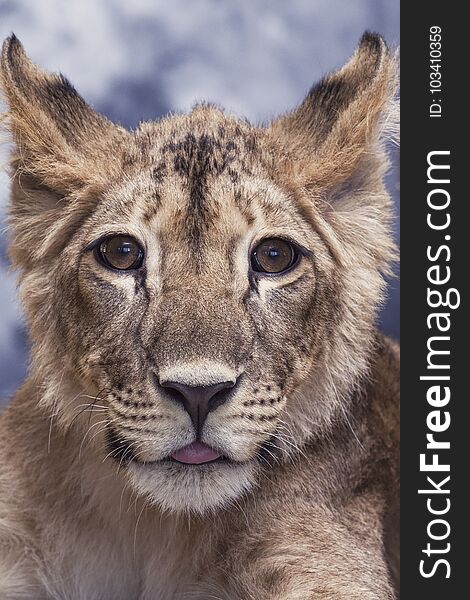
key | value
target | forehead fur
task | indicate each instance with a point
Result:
(195, 152)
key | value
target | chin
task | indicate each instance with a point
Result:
(197, 489)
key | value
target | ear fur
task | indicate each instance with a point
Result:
(56, 134)
(63, 154)
(341, 117)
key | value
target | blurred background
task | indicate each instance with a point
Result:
(137, 60)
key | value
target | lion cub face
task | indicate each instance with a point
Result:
(190, 308)
(194, 277)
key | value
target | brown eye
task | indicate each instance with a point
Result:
(120, 252)
(273, 256)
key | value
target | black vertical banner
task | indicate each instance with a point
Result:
(435, 331)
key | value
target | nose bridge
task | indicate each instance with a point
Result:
(200, 320)
(200, 373)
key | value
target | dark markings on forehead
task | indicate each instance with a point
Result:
(234, 176)
(196, 159)
(154, 203)
(244, 204)
(159, 172)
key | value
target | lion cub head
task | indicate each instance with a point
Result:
(210, 286)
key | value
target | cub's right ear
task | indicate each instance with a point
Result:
(60, 140)
(63, 154)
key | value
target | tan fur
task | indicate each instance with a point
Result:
(306, 506)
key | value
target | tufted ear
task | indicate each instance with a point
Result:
(62, 151)
(341, 118)
(59, 139)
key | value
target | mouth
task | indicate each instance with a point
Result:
(196, 453)
(193, 455)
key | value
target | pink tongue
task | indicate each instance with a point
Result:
(196, 453)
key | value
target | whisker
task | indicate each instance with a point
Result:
(86, 434)
(144, 507)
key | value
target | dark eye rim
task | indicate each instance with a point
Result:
(101, 257)
(298, 252)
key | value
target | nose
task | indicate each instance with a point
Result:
(199, 400)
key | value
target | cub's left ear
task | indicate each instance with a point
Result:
(342, 117)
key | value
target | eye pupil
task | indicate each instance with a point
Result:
(273, 256)
(120, 252)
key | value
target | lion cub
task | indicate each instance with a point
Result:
(210, 411)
